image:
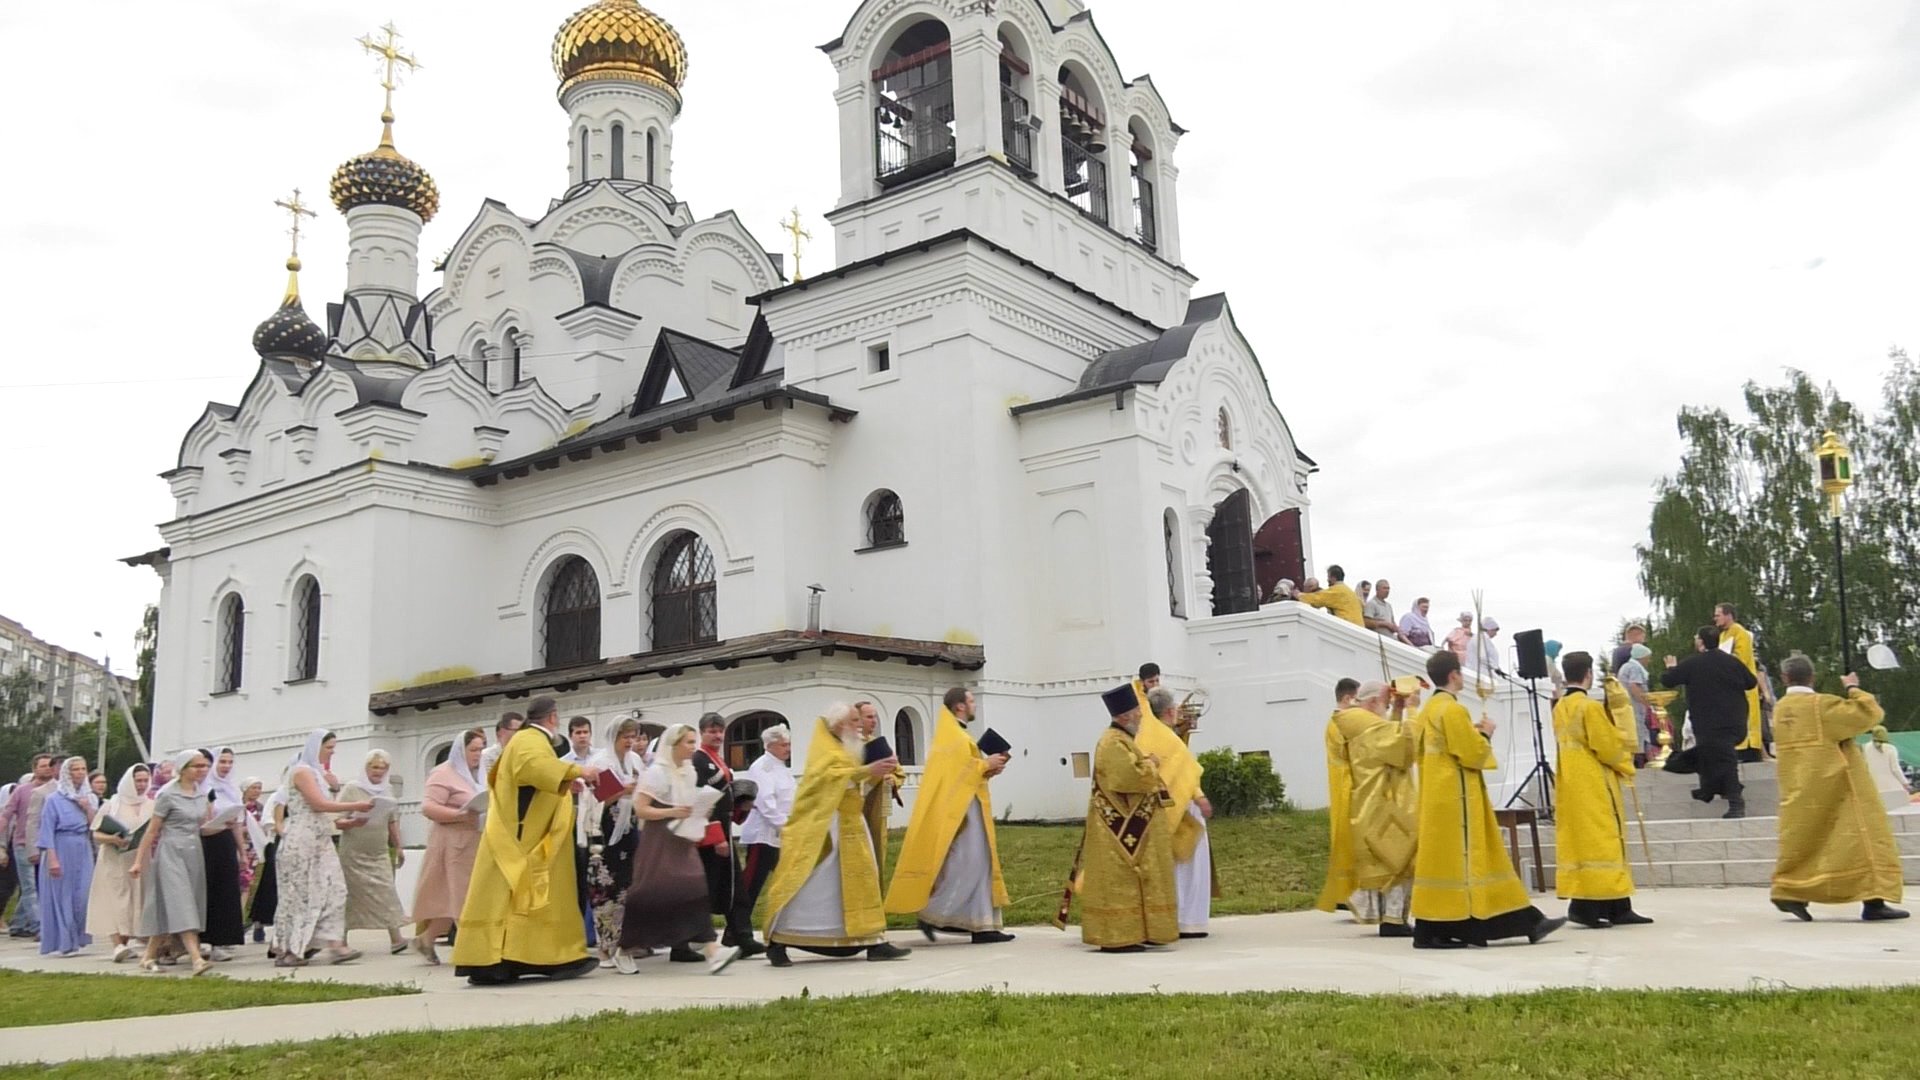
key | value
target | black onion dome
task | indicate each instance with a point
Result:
(288, 332)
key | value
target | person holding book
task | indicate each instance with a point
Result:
(825, 895)
(667, 904)
(226, 927)
(65, 843)
(113, 906)
(1193, 882)
(717, 855)
(369, 852)
(312, 912)
(453, 803)
(948, 876)
(774, 785)
(615, 834)
(170, 866)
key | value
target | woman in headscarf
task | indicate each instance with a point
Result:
(666, 905)
(65, 843)
(266, 895)
(312, 912)
(172, 867)
(226, 927)
(369, 851)
(1883, 764)
(255, 854)
(97, 783)
(613, 836)
(113, 907)
(453, 838)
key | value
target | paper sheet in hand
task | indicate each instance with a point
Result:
(256, 834)
(477, 804)
(694, 826)
(383, 808)
(991, 743)
(225, 819)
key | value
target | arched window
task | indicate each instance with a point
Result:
(685, 607)
(572, 614)
(743, 737)
(1176, 580)
(913, 130)
(1145, 227)
(905, 745)
(886, 520)
(306, 630)
(653, 143)
(583, 154)
(1225, 424)
(477, 367)
(1083, 141)
(510, 375)
(230, 661)
(1017, 122)
(617, 151)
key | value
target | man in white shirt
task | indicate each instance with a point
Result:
(772, 774)
(579, 741)
(502, 731)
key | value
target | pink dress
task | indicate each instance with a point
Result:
(451, 848)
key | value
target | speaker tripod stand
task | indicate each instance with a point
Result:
(1542, 774)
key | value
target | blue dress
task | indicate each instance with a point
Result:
(66, 829)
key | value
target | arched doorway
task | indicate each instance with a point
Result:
(743, 737)
(1230, 555)
(1278, 551)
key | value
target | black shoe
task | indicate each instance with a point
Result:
(683, 955)
(1632, 918)
(1591, 924)
(995, 937)
(1879, 911)
(1123, 948)
(1440, 943)
(750, 949)
(888, 951)
(1703, 796)
(1735, 810)
(1188, 934)
(777, 956)
(1394, 929)
(1795, 908)
(576, 969)
(927, 930)
(1544, 927)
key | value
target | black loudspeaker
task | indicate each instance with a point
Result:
(1531, 647)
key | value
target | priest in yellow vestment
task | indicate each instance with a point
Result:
(1337, 599)
(1339, 883)
(824, 897)
(1464, 889)
(1591, 871)
(1836, 846)
(1383, 811)
(522, 913)
(949, 869)
(1125, 872)
(1738, 640)
(1180, 774)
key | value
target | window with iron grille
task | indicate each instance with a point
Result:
(743, 744)
(306, 630)
(685, 605)
(572, 624)
(913, 115)
(233, 644)
(886, 520)
(903, 738)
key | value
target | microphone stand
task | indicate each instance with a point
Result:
(1542, 771)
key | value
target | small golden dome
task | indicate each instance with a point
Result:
(386, 176)
(619, 39)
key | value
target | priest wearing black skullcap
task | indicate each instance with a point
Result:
(1126, 887)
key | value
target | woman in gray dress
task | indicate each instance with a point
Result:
(176, 901)
(369, 853)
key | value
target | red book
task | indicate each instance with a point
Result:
(608, 787)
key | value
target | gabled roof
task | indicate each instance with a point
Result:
(1146, 363)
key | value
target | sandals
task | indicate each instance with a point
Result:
(424, 946)
(202, 967)
(399, 947)
(337, 955)
(287, 960)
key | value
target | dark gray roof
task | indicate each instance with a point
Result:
(704, 366)
(1149, 361)
(596, 276)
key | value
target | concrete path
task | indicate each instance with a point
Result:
(1705, 938)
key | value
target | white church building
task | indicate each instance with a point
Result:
(608, 452)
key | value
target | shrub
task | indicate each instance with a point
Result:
(1237, 784)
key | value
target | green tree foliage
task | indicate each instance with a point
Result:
(84, 740)
(148, 641)
(1241, 785)
(1743, 522)
(26, 727)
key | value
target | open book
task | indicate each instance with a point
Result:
(694, 826)
(222, 821)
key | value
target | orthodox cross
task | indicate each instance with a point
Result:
(296, 210)
(793, 227)
(387, 48)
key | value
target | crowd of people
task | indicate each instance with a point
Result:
(1478, 648)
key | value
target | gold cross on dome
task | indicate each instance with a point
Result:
(387, 48)
(793, 227)
(296, 210)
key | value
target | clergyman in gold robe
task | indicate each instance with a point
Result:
(1339, 883)
(1383, 811)
(1464, 889)
(1125, 874)
(948, 876)
(1836, 846)
(522, 912)
(1591, 871)
(824, 897)
(1159, 734)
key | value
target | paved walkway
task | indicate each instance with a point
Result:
(1705, 938)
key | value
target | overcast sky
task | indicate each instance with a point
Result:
(1483, 250)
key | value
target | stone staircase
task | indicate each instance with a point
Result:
(1692, 845)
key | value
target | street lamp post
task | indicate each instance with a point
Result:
(1836, 476)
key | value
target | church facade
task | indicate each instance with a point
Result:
(611, 454)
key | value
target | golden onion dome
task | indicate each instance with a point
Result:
(387, 177)
(619, 39)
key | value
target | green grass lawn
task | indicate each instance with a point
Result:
(1570, 1034)
(31, 998)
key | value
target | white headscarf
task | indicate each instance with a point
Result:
(678, 780)
(180, 763)
(81, 793)
(627, 767)
(128, 806)
(457, 760)
(309, 758)
(381, 790)
(225, 792)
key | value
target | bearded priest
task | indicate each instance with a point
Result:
(824, 896)
(949, 870)
(1125, 871)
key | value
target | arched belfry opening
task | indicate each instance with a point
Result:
(1018, 124)
(913, 120)
(1083, 145)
